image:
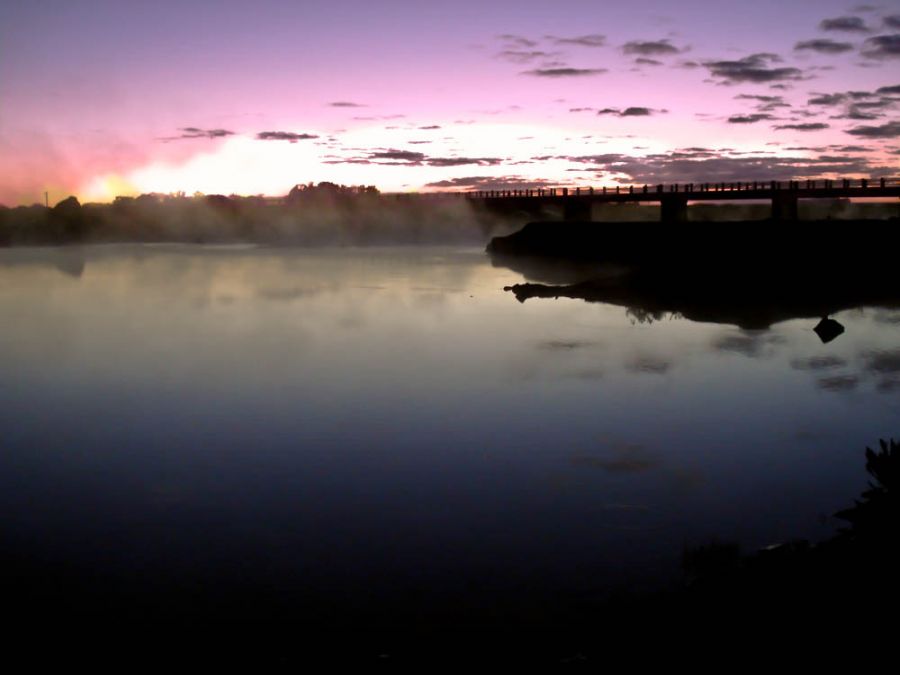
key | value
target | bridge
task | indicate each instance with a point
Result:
(576, 203)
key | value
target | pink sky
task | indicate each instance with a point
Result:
(101, 99)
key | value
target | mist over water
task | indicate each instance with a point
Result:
(368, 425)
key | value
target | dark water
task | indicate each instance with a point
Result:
(366, 433)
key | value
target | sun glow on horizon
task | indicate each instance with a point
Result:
(408, 158)
(247, 166)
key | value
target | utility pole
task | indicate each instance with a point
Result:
(46, 199)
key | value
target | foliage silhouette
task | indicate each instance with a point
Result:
(874, 517)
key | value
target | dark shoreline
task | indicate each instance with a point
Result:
(749, 274)
(711, 243)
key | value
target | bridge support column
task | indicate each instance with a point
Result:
(673, 208)
(577, 209)
(784, 206)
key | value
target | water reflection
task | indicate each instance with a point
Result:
(750, 299)
(382, 435)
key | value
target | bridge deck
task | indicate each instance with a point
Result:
(707, 191)
(576, 203)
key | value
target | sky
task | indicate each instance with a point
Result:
(103, 98)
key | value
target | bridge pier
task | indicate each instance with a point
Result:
(577, 209)
(784, 206)
(673, 208)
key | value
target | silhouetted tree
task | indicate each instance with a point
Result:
(68, 219)
(875, 515)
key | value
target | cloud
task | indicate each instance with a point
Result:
(827, 99)
(824, 46)
(195, 132)
(491, 183)
(592, 40)
(753, 68)
(523, 56)
(518, 40)
(805, 126)
(882, 47)
(702, 164)
(749, 119)
(764, 103)
(851, 24)
(892, 21)
(855, 114)
(644, 61)
(393, 157)
(650, 48)
(564, 72)
(887, 91)
(633, 111)
(283, 136)
(889, 130)
(461, 161)
(399, 156)
(346, 104)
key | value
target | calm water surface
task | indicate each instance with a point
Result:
(363, 425)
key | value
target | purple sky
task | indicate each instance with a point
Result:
(101, 98)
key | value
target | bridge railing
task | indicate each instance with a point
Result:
(694, 188)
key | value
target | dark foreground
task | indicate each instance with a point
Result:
(788, 597)
(823, 245)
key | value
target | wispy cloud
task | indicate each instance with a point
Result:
(525, 56)
(398, 155)
(703, 164)
(803, 126)
(849, 24)
(283, 136)
(394, 157)
(753, 68)
(749, 119)
(882, 47)
(632, 111)
(518, 40)
(650, 48)
(823, 46)
(196, 132)
(764, 103)
(491, 183)
(889, 130)
(564, 72)
(463, 161)
(592, 40)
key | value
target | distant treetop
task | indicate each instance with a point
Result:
(301, 191)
